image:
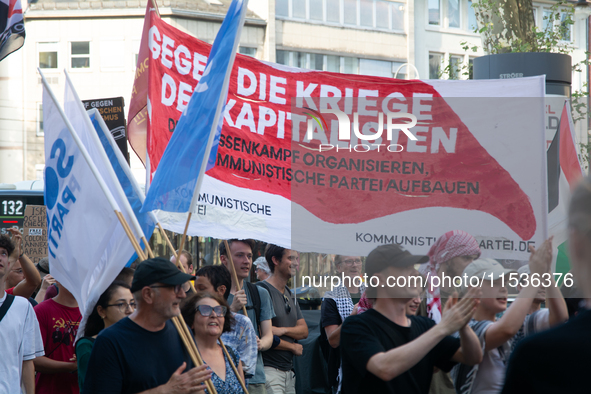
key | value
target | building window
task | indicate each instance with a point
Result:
(316, 62)
(401, 68)
(351, 65)
(333, 64)
(282, 8)
(455, 62)
(397, 16)
(339, 64)
(435, 65)
(39, 168)
(350, 7)
(299, 9)
(383, 15)
(316, 11)
(434, 12)
(378, 14)
(472, 22)
(546, 16)
(80, 53)
(248, 51)
(333, 11)
(280, 57)
(567, 26)
(563, 23)
(300, 60)
(453, 13)
(40, 132)
(366, 13)
(47, 54)
(376, 68)
(471, 68)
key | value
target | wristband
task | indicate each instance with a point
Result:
(276, 341)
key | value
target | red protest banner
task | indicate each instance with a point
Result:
(279, 139)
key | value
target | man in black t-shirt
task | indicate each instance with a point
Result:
(143, 352)
(385, 351)
(557, 360)
(338, 304)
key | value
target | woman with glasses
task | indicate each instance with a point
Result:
(209, 316)
(113, 305)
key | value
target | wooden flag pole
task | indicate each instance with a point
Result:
(134, 242)
(175, 321)
(185, 232)
(174, 253)
(233, 270)
(148, 248)
(163, 233)
(233, 367)
(155, 6)
(189, 343)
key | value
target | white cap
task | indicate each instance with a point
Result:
(484, 268)
(524, 269)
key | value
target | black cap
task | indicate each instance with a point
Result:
(391, 255)
(157, 270)
(43, 265)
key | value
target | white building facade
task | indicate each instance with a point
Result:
(97, 43)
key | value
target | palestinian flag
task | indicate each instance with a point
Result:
(12, 27)
(564, 172)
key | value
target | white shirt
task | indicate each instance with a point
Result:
(20, 340)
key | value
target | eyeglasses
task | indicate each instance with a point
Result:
(287, 305)
(352, 261)
(205, 310)
(176, 289)
(123, 306)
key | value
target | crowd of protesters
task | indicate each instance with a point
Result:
(382, 339)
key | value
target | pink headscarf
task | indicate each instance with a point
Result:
(451, 244)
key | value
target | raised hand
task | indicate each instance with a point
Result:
(540, 260)
(456, 314)
(17, 239)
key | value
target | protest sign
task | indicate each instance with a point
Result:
(112, 112)
(475, 162)
(35, 232)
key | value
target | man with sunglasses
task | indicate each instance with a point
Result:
(288, 324)
(143, 353)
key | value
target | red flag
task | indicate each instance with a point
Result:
(569, 160)
(137, 124)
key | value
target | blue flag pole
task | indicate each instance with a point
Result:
(220, 105)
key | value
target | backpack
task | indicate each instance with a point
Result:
(252, 290)
(7, 303)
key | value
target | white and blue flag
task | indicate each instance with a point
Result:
(128, 183)
(183, 163)
(87, 244)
